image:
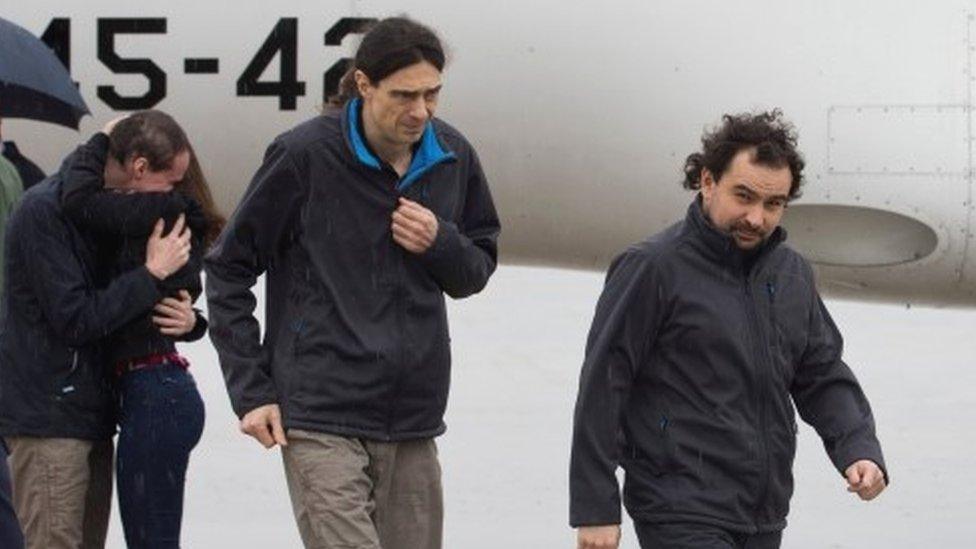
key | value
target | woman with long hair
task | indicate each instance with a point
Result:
(138, 177)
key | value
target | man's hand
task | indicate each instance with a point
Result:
(175, 317)
(414, 226)
(264, 424)
(598, 537)
(865, 478)
(166, 254)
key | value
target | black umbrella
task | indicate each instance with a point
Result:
(33, 82)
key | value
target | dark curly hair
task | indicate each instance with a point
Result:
(773, 138)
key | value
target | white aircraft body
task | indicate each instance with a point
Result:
(583, 112)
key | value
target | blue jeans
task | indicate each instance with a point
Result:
(160, 421)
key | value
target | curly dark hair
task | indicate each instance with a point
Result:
(773, 138)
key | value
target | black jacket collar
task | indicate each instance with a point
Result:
(721, 247)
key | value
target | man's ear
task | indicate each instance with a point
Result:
(363, 84)
(707, 184)
(707, 178)
(140, 165)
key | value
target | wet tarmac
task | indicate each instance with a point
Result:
(517, 350)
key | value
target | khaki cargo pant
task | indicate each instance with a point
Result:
(352, 493)
(62, 491)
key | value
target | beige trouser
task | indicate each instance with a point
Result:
(62, 491)
(353, 493)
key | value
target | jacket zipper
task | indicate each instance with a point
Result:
(400, 297)
(401, 346)
(765, 383)
(762, 394)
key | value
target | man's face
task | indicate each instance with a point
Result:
(137, 176)
(398, 107)
(748, 201)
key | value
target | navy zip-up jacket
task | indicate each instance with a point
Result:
(356, 341)
(53, 377)
(695, 359)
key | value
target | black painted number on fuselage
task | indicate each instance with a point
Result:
(332, 78)
(283, 41)
(107, 29)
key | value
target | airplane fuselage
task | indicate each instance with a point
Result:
(583, 113)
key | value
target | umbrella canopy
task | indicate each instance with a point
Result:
(33, 82)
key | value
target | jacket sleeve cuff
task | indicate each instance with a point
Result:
(149, 285)
(846, 457)
(586, 515)
(594, 499)
(199, 329)
(444, 244)
(243, 407)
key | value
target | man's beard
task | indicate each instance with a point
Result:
(752, 237)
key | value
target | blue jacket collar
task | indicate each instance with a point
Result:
(428, 153)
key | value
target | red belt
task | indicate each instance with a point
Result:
(149, 361)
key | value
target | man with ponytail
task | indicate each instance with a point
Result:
(362, 219)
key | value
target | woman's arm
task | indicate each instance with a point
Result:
(177, 318)
(188, 277)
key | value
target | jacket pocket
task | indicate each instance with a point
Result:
(783, 452)
(654, 449)
(79, 389)
(788, 314)
(286, 356)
